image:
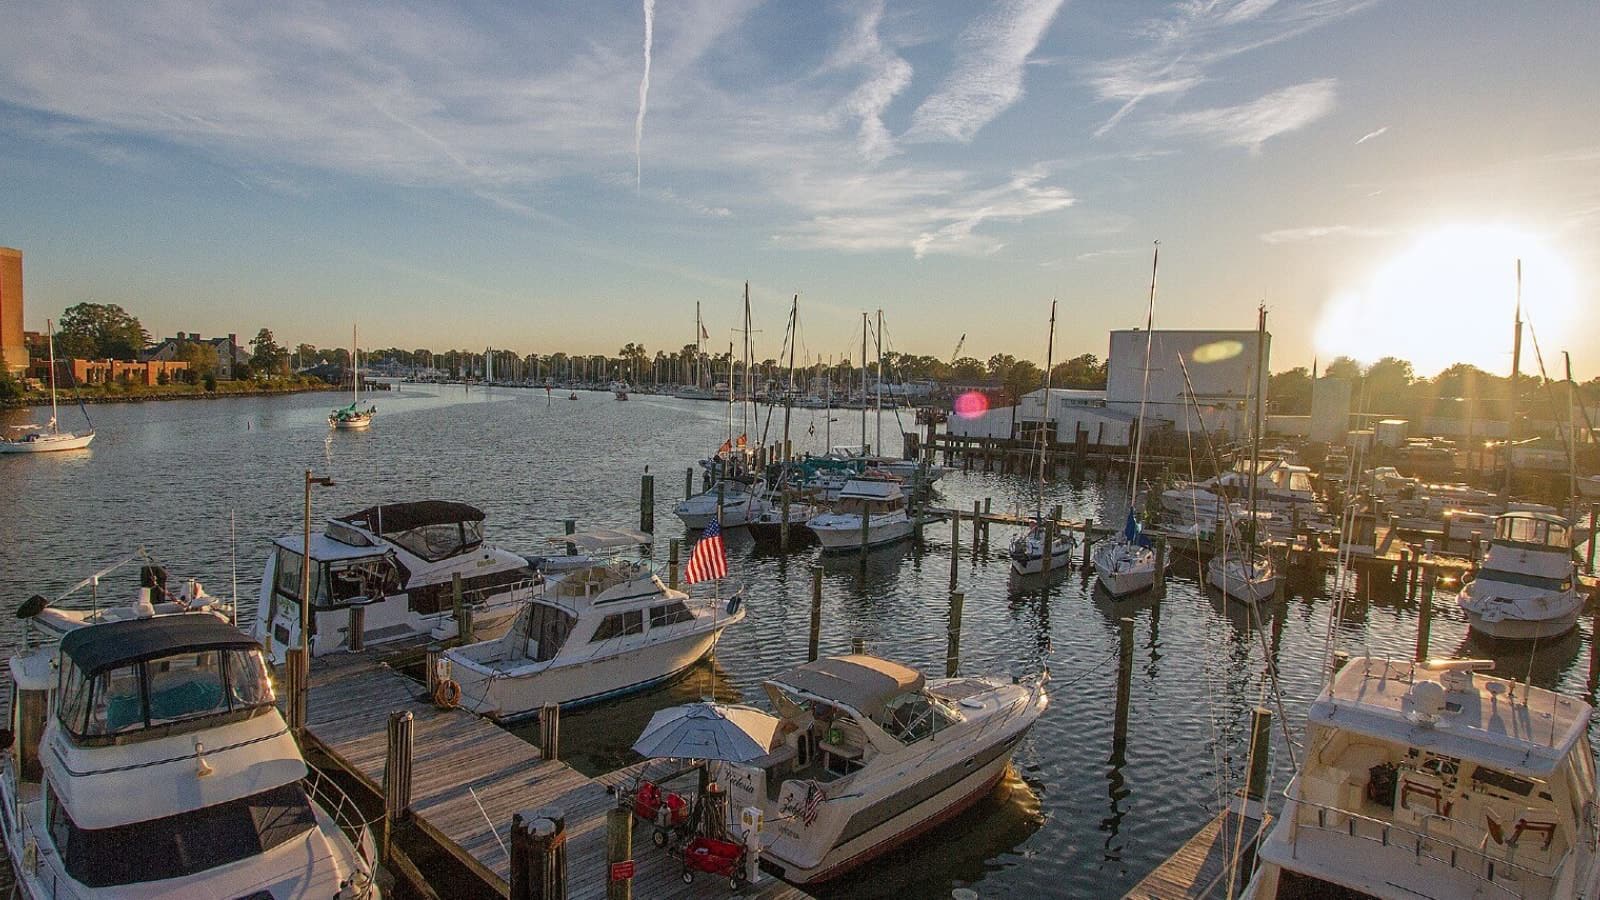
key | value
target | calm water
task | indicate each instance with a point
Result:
(1104, 790)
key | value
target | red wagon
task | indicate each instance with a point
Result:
(722, 858)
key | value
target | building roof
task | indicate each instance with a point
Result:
(863, 683)
(98, 648)
(389, 518)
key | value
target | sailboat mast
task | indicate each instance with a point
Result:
(1255, 426)
(879, 434)
(1144, 390)
(1516, 374)
(744, 407)
(1049, 358)
(50, 327)
(863, 380)
(788, 395)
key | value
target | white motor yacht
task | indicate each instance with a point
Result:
(1027, 552)
(734, 503)
(397, 564)
(48, 621)
(871, 755)
(591, 633)
(1433, 780)
(879, 503)
(1527, 586)
(146, 758)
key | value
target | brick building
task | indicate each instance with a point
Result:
(13, 349)
(108, 371)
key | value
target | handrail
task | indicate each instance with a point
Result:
(326, 793)
(1386, 828)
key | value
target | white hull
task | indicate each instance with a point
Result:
(1122, 573)
(844, 532)
(509, 693)
(352, 424)
(1523, 629)
(1032, 561)
(1243, 583)
(46, 443)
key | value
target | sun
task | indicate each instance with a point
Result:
(1450, 297)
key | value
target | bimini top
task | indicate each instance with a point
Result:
(869, 489)
(863, 683)
(98, 648)
(389, 518)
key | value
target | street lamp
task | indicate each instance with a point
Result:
(301, 662)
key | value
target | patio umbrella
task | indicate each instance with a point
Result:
(707, 731)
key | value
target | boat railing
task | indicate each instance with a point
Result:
(1499, 872)
(327, 794)
(478, 598)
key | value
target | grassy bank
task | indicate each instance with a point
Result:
(134, 393)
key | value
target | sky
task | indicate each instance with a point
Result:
(575, 176)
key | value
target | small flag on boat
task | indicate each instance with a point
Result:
(743, 442)
(814, 798)
(726, 446)
(708, 561)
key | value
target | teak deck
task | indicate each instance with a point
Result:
(455, 753)
(1200, 867)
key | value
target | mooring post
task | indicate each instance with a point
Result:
(688, 482)
(396, 776)
(1407, 583)
(783, 519)
(295, 671)
(1161, 561)
(858, 645)
(1424, 622)
(1088, 542)
(571, 526)
(672, 564)
(1255, 786)
(462, 611)
(866, 525)
(1048, 560)
(987, 522)
(550, 731)
(556, 855)
(955, 546)
(358, 629)
(539, 855)
(520, 875)
(647, 503)
(619, 854)
(952, 653)
(1594, 535)
(431, 676)
(722, 497)
(813, 647)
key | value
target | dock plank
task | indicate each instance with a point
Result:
(1200, 867)
(456, 755)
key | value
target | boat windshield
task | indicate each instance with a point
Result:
(164, 691)
(440, 541)
(909, 718)
(179, 845)
(1529, 530)
(338, 583)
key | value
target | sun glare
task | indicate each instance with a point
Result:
(1450, 298)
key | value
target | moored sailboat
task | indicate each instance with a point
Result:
(49, 436)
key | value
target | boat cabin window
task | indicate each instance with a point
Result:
(436, 542)
(344, 534)
(619, 625)
(167, 690)
(669, 614)
(1527, 530)
(909, 718)
(182, 844)
(1299, 482)
(339, 583)
(547, 630)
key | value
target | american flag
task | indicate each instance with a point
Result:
(814, 798)
(708, 560)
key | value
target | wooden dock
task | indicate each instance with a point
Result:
(456, 755)
(1200, 867)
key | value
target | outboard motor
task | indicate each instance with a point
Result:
(153, 577)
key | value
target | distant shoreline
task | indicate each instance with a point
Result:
(166, 392)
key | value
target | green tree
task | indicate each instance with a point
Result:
(968, 369)
(1085, 372)
(266, 357)
(100, 331)
(1289, 392)
(1023, 377)
(305, 356)
(1344, 367)
(10, 387)
(202, 359)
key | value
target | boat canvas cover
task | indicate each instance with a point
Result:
(390, 518)
(102, 647)
(863, 683)
(604, 539)
(870, 490)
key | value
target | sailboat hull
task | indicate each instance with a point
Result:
(45, 443)
(353, 424)
(1246, 584)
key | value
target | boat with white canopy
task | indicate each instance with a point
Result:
(602, 629)
(877, 508)
(1527, 587)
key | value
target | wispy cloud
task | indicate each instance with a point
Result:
(644, 94)
(992, 56)
(1182, 48)
(1320, 232)
(1252, 124)
(887, 75)
(1370, 135)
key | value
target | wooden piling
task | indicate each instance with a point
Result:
(434, 654)
(1594, 648)
(688, 482)
(296, 670)
(722, 497)
(977, 525)
(572, 526)
(357, 635)
(1088, 543)
(987, 522)
(647, 503)
(672, 564)
(1407, 584)
(955, 547)
(539, 855)
(619, 854)
(866, 526)
(550, 731)
(1161, 562)
(813, 647)
(1047, 561)
(858, 645)
(952, 653)
(1424, 623)
(1255, 786)
(396, 775)
(460, 611)
(1594, 537)
(783, 519)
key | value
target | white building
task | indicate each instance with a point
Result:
(1221, 367)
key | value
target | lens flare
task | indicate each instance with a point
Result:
(1217, 351)
(971, 405)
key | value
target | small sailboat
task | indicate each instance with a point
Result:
(1126, 564)
(1249, 575)
(353, 417)
(49, 436)
(1028, 550)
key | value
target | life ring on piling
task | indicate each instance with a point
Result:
(446, 694)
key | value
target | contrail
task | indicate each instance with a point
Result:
(644, 95)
